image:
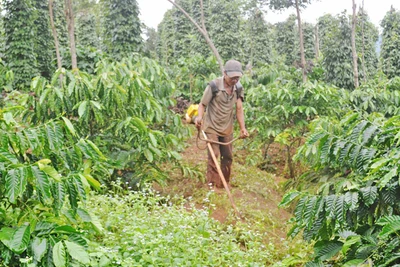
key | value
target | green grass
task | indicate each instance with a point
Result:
(143, 229)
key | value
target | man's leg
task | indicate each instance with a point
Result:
(226, 157)
(212, 172)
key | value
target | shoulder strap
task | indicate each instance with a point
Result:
(214, 88)
(239, 89)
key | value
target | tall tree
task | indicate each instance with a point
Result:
(324, 25)
(309, 41)
(353, 44)
(390, 52)
(367, 36)
(55, 38)
(286, 41)
(361, 14)
(316, 42)
(60, 22)
(44, 46)
(202, 29)
(181, 34)
(122, 27)
(257, 37)
(86, 34)
(182, 28)
(197, 41)
(19, 35)
(2, 35)
(335, 40)
(165, 39)
(225, 26)
(150, 43)
(69, 13)
(297, 4)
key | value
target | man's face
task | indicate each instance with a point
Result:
(231, 81)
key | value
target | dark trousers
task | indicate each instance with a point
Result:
(224, 153)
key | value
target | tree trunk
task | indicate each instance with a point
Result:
(303, 58)
(363, 43)
(316, 42)
(54, 31)
(71, 32)
(203, 30)
(290, 162)
(353, 45)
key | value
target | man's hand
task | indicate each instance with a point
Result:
(197, 122)
(243, 133)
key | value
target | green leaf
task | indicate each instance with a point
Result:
(64, 229)
(96, 104)
(153, 140)
(82, 108)
(176, 155)
(58, 190)
(389, 229)
(6, 233)
(77, 252)
(288, 198)
(355, 262)
(71, 87)
(351, 199)
(72, 194)
(155, 151)
(392, 173)
(351, 240)
(59, 255)
(369, 194)
(20, 239)
(314, 264)
(79, 181)
(93, 182)
(325, 250)
(139, 124)
(95, 148)
(85, 216)
(16, 182)
(50, 171)
(43, 96)
(388, 219)
(96, 224)
(39, 248)
(42, 184)
(6, 156)
(148, 154)
(69, 125)
(44, 161)
(378, 164)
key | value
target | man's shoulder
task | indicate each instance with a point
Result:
(216, 84)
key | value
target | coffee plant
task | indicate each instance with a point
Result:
(281, 109)
(354, 216)
(46, 173)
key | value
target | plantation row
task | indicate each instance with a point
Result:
(59, 143)
(80, 148)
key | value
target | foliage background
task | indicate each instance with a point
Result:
(74, 142)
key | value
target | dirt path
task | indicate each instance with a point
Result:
(256, 193)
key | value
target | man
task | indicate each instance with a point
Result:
(218, 122)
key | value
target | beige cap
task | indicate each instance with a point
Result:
(233, 68)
